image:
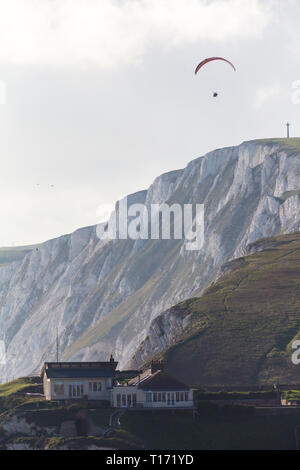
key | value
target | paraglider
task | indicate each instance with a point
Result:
(211, 59)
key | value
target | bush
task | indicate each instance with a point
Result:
(237, 410)
(265, 394)
(213, 409)
(208, 409)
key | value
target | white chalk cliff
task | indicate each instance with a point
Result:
(103, 295)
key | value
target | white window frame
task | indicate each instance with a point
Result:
(76, 384)
(91, 387)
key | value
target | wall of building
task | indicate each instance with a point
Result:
(103, 394)
(118, 394)
(169, 399)
(47, 388)
(141, 398)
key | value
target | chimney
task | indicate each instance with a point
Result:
(111, 359)
(156, 365)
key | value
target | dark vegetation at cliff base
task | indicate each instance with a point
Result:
(236, 428)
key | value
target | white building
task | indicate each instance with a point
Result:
(77, 380)
(154, 388)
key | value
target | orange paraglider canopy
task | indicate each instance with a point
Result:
(206, 61)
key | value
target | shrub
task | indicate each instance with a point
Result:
(208, 409)
(237, 410)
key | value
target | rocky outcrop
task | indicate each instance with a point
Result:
(17, 424)
(104, 295)
(18, 446)
(163, 332)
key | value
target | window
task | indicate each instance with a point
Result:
(95, 387)
(118, 400)
(181, 396)
(163, 397)
(155, 397)
(123, 400)
(186, 396)
(171, 398)
(159, 397)
(148, 397)
(76, 390)
(177, 396)
(128, 400)
(58, 388)
(134, 399)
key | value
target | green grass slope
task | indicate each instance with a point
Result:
(290, 146)
(245, 323)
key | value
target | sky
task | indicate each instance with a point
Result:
(99, 97)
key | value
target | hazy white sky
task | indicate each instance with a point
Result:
(101, 97)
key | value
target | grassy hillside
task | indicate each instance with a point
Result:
(290, 146)
(252, 315)
(18, 386)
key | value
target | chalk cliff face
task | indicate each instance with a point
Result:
(103, 295)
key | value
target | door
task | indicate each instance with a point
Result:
(128, 401)
(76, 390)
(171, 398)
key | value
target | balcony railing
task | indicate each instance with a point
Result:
(157, 405)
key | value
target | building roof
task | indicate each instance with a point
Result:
(109, 365)
(161, 381)
(140, 377)
(126, 374)
(79, 373)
